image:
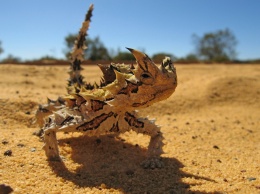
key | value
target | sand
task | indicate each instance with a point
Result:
(210, 124)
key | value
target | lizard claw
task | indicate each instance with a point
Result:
(55, 158)
(152, 163)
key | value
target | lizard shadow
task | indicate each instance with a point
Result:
(114, 163)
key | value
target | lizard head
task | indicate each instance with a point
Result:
(155, 83)
(132, 87)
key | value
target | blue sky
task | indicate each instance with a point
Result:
(31, 29)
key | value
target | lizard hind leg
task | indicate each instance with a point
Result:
(60, 121)
(51, 145)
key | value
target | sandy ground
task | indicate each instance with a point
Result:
(211, 129)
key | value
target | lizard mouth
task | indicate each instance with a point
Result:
(165, 94)
(159, 96)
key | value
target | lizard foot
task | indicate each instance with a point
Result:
(55, 158)
(152, 163)
(51, 153)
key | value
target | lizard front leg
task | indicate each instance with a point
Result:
(154, 152)
(147, 127)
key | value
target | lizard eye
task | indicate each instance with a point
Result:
(147, 78)
(145, 75)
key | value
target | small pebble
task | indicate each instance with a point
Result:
(4, 141)
(38, 133)
(5, 189)
(251, 178)
(98, 141)
(20, 145)
(215, 147)
(129, 172)
(103, 186)
(33, 149)
(8, 153)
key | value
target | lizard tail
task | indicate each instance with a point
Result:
(77, 56)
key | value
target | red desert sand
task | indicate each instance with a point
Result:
(211, 126)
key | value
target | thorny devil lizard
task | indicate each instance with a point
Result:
(111, 106)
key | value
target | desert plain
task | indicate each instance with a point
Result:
(211, 127)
